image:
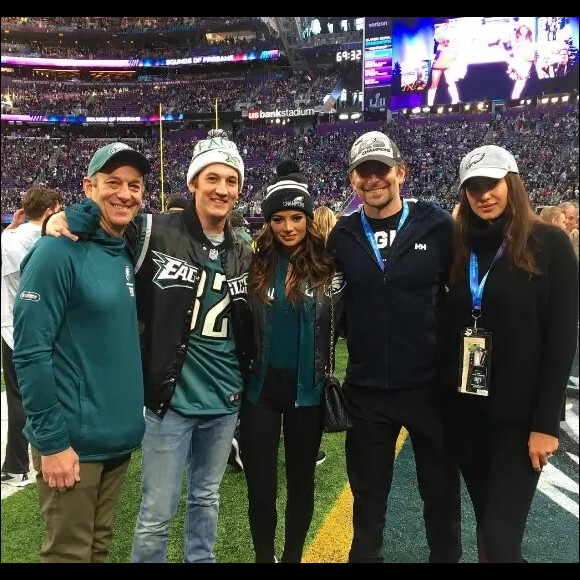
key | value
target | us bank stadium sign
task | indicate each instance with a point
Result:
(257, 114)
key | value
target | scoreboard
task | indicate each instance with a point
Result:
(377, 61)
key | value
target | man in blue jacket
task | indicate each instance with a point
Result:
(78, 362)
(395, 257)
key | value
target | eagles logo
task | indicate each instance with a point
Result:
(338, 284)
(232, 160)
(367, 145)
(297, 201)
(174, 272)
(473, 160)
(117, 147)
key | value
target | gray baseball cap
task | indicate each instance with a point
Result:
(373, 146)
(487, 161)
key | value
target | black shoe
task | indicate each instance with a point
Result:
(321, 458)
(235, 459)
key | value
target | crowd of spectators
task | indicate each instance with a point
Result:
(124, 23)
(275, 89)
(544, 140)
(180, 37)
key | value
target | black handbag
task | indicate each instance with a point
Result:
(335, 414)
(336, 417)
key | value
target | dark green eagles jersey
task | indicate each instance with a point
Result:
(210, 382)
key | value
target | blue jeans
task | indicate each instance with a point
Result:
(202, 444)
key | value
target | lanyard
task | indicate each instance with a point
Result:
(371, 235)
(476, 286)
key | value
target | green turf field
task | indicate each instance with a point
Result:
(552, 534)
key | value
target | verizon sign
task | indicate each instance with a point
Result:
(257, 114)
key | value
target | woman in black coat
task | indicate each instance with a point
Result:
(510, 329)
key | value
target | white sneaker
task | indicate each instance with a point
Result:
(235, 458)
(16, 479)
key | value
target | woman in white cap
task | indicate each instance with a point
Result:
(513, 292)
(290, 289)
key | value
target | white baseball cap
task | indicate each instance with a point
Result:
(487, 161)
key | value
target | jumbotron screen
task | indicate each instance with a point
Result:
(438, 61)
(377, 61)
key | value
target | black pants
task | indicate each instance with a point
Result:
(260, 428)
(500, 480)
(16, 459)
(370, 454)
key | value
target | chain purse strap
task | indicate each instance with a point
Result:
(331, 357)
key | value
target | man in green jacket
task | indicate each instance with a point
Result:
(77, 358)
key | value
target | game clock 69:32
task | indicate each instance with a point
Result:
(348, 55)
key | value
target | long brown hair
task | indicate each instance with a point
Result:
(518, 230)
(310, 262)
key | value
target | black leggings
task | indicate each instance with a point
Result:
(260, 428)
(16, 459)
(498, 474)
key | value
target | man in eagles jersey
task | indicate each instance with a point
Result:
(191, 285)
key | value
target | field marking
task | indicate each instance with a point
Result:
(554, 483)
(332, 542)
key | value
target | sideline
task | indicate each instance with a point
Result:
(332, 542)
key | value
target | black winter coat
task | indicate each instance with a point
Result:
(533, 320)
(390, 317)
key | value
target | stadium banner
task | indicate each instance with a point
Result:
(257, 114)
(377, 71)
(135, 63)
(88, 120)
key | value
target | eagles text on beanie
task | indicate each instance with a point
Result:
(217, 148)
(289, 190)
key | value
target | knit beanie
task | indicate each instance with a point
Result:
(217, 148)
(288, 190)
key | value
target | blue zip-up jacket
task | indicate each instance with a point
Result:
(76, 347)
(390, 318)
